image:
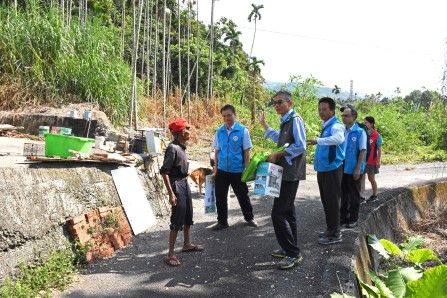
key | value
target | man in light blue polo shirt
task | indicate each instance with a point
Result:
(353, 166)
(232, 146)
(328, 163)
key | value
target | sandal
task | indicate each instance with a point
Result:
(193, 248)
(172, 261)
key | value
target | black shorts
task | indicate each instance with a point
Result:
(181, 214)
(371, 169)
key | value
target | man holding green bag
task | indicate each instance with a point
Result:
(232, 146)
(293, 161)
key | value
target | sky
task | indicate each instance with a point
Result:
(379, 45)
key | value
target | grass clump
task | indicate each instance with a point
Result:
(39, 278)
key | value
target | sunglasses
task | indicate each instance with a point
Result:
(278, 102)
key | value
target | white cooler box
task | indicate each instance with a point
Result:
(268, 179)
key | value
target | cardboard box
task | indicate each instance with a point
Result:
(210, 196)
(268, 179)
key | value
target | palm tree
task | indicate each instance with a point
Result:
(336, 90)
(397, 91)
(379, 95)
(254, 15)
(254, 70)
(232, 35)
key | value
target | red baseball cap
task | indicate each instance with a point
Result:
(179, 124)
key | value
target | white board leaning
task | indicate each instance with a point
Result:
(135, 204)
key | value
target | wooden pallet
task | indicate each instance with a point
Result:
(75, 160)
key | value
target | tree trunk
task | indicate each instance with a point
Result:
(197, 54)
(210, 64)
(154, 81)
(179, 55)
(149, 47)
(188, 59)
(164, 63)
(123, 25)
(168, 57)
(136, 21)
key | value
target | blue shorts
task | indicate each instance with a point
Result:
(181, 214)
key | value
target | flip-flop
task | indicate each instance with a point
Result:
(193, 248)
(172, 261)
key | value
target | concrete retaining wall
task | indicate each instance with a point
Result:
(38, 199)
(401, 207)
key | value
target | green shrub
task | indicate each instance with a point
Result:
(52, 272)
(407, 270)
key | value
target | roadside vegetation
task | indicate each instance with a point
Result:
(41, 277)
(406, 270)
(416, 266)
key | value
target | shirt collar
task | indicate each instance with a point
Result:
(286, 115)
(231, 128)
(353, 127)
(325, 123)
(179, 144)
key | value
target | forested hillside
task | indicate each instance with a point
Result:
(150, 61)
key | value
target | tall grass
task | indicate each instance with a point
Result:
(65, 64)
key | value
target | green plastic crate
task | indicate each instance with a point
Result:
(58, 145)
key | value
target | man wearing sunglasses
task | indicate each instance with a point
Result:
(293, 161)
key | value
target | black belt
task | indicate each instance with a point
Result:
(178, 178)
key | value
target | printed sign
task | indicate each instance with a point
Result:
(268, 179)
(210, 196)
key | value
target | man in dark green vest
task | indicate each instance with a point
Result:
(293, 161)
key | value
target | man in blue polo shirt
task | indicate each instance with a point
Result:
(355, 148)
(328, 163)
(232, 146)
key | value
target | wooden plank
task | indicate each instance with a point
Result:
(54, 159)
(7, 127)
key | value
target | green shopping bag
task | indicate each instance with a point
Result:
(250, 172)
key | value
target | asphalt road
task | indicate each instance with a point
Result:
(236, 261)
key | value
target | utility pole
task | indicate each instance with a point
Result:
(351, 93)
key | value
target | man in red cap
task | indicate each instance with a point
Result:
(175, 172)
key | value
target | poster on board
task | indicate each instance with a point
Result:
(210, 196)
